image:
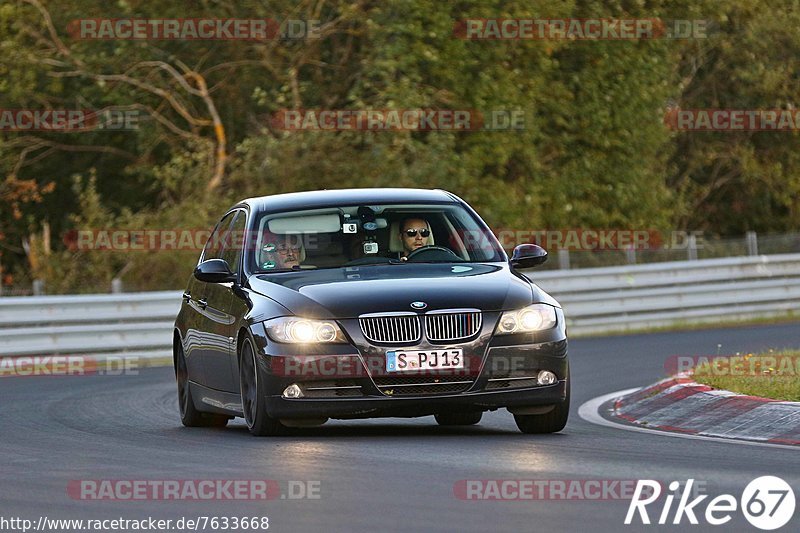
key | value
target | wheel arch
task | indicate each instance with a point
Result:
(177, 342)
(240, 337)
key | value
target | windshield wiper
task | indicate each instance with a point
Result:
(296, 268)
(439, 261)
(371, 261)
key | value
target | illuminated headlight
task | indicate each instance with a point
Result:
(536, 317)
(302, 330)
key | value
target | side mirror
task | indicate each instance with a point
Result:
(528, 256)
(214, 271)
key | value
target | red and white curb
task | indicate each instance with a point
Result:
(681, 405)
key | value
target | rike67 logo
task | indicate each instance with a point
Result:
(767, 503)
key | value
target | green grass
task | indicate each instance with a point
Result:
(679, 325)
(773, 374)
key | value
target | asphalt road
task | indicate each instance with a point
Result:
(373, 475)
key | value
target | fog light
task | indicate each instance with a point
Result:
(545, 377)
(293, 391)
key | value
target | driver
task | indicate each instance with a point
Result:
(414, 233)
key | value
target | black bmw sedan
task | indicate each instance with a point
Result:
(366, 303)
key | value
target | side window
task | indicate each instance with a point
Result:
(234, 242)
(213, 248)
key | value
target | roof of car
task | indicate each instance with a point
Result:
(331, 197)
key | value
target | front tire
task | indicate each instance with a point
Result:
(251, 386)
(550, 422)
(190, 416)
(458, 419)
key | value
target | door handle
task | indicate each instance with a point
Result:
(203, 303)
(187, 296)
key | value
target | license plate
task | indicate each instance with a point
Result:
(400, 361)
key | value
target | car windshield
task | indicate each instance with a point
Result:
(361, 235)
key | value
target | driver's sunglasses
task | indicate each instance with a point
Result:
(413, 232)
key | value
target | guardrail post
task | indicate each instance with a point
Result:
(691, 248)
(563, 259)
(116, 286)
(752, 243)
(630, 255)
(38, 287)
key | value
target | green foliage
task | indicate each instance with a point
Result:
(594, 151)
(733, 182)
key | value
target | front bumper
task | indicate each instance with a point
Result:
(351, 381)
(370, 407)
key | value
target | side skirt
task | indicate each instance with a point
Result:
(214, 401)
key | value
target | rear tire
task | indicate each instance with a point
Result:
(251, 387)
(190, 416)
(549, 422)
(458, 419)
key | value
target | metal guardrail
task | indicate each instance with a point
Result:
(635, 297)
(598, 300)
(89, 324)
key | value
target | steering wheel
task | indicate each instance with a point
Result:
(432, 250)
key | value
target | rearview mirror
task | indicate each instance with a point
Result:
(214, 271)
(528, 256)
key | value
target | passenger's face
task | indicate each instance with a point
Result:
(286, 254)
(417, 240)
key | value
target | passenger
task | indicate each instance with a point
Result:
(280, 252)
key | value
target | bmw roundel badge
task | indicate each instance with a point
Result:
(419, 305)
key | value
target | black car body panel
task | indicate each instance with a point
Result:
(350, 380)
(350, 292)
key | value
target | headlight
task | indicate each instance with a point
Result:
(536, 317)
(303, 330)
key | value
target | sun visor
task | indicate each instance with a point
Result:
(324, 223)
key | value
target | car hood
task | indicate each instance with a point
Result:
(348, 292)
